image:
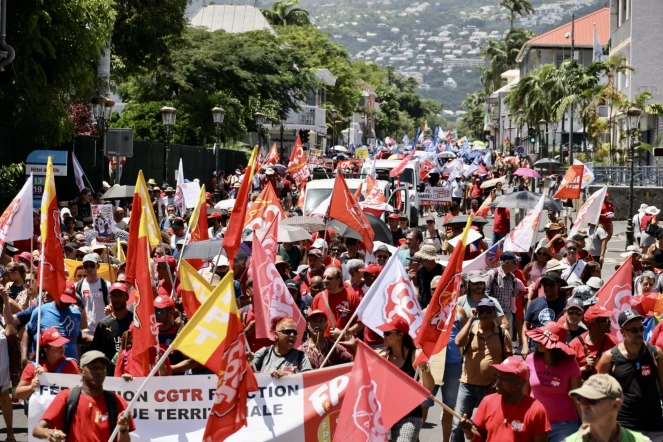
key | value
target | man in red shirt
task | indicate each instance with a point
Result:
(589, 346)
(501, 223)
(509, 415)
(338, 303)
(91, 420)
(607, 214)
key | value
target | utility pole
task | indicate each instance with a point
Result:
(573, 49)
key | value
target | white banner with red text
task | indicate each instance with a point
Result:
(301, 407)
(432, 196)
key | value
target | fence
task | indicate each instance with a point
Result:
(621, 175)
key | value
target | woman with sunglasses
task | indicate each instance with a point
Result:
(554, 372)
(432, 235)
(401, 351)
(282, 358)
(18, 287)
(536, 268)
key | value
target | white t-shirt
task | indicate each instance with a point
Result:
(574, 271)
(122, 225)
(93, 301)
(457, 188)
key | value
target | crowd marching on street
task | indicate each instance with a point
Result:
(513, 332)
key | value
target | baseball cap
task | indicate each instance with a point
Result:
(292, 284)
(574, 303)
(172, 263)
(554, 277)
(220, 261)
(515, 365)
(628, 315)
(315, 252)
(91, 356)
(68, 296)
(71, 245)
(91, 257)
(118, 286)
(486, 302)
(596, 312)
(397, 323)
(553, 226)
(51, 336)
(476, 278)
(208, 195)
(578, 236)
(506, 256)
(320, 244)
(313, 313)
(164, 302)
(373, 269)
(393, 216)
(599, 386)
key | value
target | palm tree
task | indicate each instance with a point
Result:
(495, 53)
(520, 7)
(513, 42)
(284, 13)
(611, 95)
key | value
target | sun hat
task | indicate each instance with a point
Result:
(514, 365)
(320, 244)
(643, 208)
(51, 336)
(152, 182)
(599, 386)
(382, 248)
(397, 323)
(169, 189)
(279, 260)
(594, 282)
(572, 285)
(552, 336)
(555, 266)
(236, 186)
(652, 210)
(220, 260)
(426, 252)
(269, 171)
(630, 250)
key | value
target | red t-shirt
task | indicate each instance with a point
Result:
(90, 422)
(656, 336)
(525, 420)
(501, 218)
(607, 207)
(71, 367)
(342, 304)
(593, 350)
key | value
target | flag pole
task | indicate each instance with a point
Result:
(179, 258)
(345, 329)
(39, 304)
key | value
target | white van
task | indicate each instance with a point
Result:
(317, 191)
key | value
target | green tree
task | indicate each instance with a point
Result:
(611, 95)
(519, 7)
(284, 13)
(58, 44)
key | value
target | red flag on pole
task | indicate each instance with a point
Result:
(269, 239)
(142, 201)
(298, 166)
(616, 294)
(345, 208)
(272, 156)
(441, 312)
(234, 232)
(264, 209)
(396, 171)
(571, 184)
(375, 398)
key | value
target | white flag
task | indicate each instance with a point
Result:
(587, 175)
(372, 172)
(598, 49)
(180, 203)
(590, 211)
(78, 172)
(16, 221)
(489, 259)
(520, 239)
(391, 294)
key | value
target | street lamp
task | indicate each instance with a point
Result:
(334, 115)
(102, 108)
(218, 114)
(259, 119)
(502, 126)
(543, 124)
(633, 116)
(282, 154)
(168, 117)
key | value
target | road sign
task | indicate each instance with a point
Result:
(119, 143)
(36, 162)
(520, 150)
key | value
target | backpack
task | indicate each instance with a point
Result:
(104, 290)
(72, 404)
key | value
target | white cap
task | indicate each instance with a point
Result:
(320, 244)
(220, 261)
(105, 185)
(594, 282)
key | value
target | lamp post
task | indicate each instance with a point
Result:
(334, 115)
(282, 153)
(102, 108)
(502, 126)
(633, 116)
(542, 129)
(168, 117)
(259, 119)
(218, 114)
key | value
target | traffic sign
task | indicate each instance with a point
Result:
(36, 162)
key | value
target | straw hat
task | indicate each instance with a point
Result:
(426, 252)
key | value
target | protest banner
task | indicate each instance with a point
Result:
(432, 196)
(361, 152)
(190, 192)
(301, 407)
(104, 271)
(104, 225)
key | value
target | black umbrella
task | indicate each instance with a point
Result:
(381, 230)
(118, 192)
(525, 200)
(462, 219)
(546, 163)
(343, 230)
(209, 249)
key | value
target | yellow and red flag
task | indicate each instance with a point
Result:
(345, 208)
(233, 236)
(198, 226)
(264, 210)
(145, 326)
(194, 288)
(570, 186)
(141, 208)
(51, 268)
(441, 312)
(272, 156)
(214, 337)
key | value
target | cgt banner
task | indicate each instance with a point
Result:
(301, 407)
(432, 196)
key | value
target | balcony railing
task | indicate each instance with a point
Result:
(307, 117)
(621, 34)
(621, 175)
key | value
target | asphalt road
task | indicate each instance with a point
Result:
(433, 432)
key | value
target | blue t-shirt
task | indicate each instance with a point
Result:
(24, 315)
(453, 352)
(541, 311)
(68, 323)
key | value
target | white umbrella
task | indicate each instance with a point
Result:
(446, 154)
(225, 204)
(339, 149)
(479, 148)
(286, 233)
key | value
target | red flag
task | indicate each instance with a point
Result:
(396, 171)
(234, 231)
(51, 269)
(345, 208)
(616, 294)
(272, 156)
(571, 184)
(298, 167)
(375, 398)
(485, 207)
(441, 312)
(271, 297)
(145, 326)
(358, 192)
(198, 225)
(264, 210)
(269, 239)
(425, 168)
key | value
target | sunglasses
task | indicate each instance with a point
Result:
(387, 333)
(636, 330)
(288, 332)
(584, 400)
(160, 311)
(540, 254)
(89, 266)
(572, 249)
(430, 222)
(335, 250)
(575, 313)
(484, 310)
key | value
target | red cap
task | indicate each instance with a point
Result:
(172, 263)
(164, 302)
(515, 365)
(393, 216)
(315, 313)
(397, 323)
(373, 269)
(51, 336)
(215, 215)
(208, 195)
(597, 312)
(445, 175)
(26, 255)
(118, 286)
(69, 294)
